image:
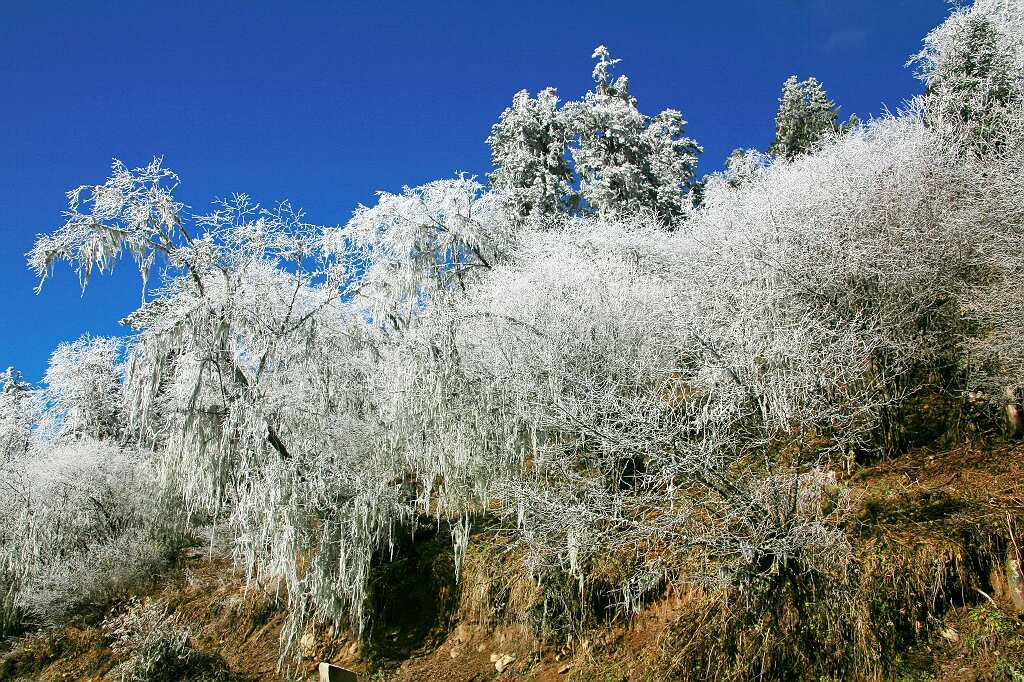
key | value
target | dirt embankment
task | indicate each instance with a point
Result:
(938, 537)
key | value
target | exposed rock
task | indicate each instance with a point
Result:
(504, 662)
(1008, 582)
(1015, 581)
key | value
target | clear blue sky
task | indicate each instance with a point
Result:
(324, 103)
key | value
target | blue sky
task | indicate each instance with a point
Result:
(325, 102)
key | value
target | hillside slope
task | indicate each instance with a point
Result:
(937, 540)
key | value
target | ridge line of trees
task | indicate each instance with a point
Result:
(578, 354)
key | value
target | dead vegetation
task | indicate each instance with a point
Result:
(933, 594)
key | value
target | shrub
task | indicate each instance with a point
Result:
(85, 524)
(156, 647)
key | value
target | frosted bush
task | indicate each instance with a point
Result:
(619, 388)
(153, 643)
(83, 523)
(592, 398)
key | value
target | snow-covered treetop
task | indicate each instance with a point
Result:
(19, 410)
(973, 65)
(602, 74)
(805, 116)
(528, 150)
(134, 210)
(83, 390)
(999, 24)
(623, 161)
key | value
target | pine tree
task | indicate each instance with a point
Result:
(789, 120)
(628, 162)
(18, 409)
(528, 150)
(822, 113)
(968, 69)
(623, 161)
(805, 116)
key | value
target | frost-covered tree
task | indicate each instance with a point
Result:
(19, 411)
(82, 518)
(623, 161)
(419, 244)
(529, 154)
(692, 390)
(628, 162)
(262, 367)
(217, 286)
(971, 66)
(83, 390)
(19, 408)
(805, 116)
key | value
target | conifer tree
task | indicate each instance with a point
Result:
(623, 161)
(628, 162)
(968, 68)
(528, 150)
(18, 409)
(805, 115)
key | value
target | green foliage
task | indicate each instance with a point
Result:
(993, 630)
(806, 115)
(968, 67)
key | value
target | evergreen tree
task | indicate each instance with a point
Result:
(624, 162)
(805, 115)
(18, 409)
(968, 69)
(528, 150)
(628, 162)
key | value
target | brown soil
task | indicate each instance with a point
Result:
(923, 502)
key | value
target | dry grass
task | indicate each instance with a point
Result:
(923, 600)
